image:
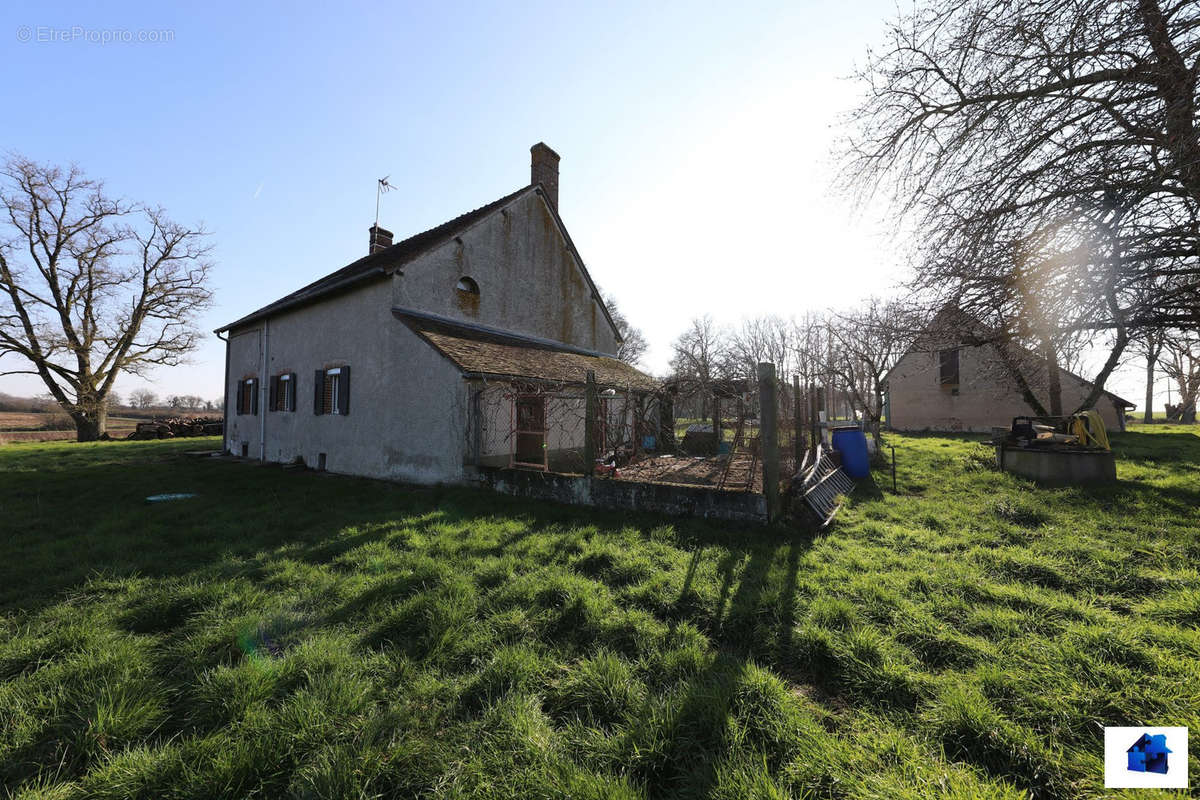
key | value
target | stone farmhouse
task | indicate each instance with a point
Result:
(943, 383)
(462, 347)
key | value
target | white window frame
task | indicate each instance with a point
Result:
(286, 385)
(336, 374)
(250, 386)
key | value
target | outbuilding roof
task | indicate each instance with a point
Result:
(480, 351)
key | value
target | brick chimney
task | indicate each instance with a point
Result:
(544, 170)
(381, 239)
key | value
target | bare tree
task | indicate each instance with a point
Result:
(1180, 359)
(866, 344)
(700, 360)
(810, 342)
(92, 287)
(1149, 345)
(185, 402)
(768, 338)
(1048, 152)
(633, 342)
(143, 398)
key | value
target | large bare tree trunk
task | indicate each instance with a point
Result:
(90, 426)
(1148, 415)
(1014, 371)
(1175, 82)
(1053, 378)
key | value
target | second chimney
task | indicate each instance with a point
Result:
(544, 170)
(381, 239)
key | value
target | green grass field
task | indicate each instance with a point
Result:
(291, 634)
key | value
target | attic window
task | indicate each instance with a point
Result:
(466, 295)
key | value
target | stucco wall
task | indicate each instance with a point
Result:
(985, 399)
(529, 281)
(409, 406)
(407, 403)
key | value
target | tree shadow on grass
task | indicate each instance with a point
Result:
(1157, 447)
(248, 517)
(753, 621)
(1112, 497)
(59, 534)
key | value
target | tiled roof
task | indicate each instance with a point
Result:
(485, 351)
(378, 264)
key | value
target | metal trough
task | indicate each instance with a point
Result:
(1052, 466)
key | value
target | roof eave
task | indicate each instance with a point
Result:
(506, 376)
(335, 288)
(403, 314)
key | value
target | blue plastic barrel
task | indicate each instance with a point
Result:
(852, 444)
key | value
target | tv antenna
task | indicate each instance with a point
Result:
(382, 186)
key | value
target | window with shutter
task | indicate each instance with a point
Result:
(247, 396)
(343, 401)
(330, 400)
(335, 391)
(283, 392)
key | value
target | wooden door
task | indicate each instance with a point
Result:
(529, 431)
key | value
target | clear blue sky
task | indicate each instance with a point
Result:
(695, 141)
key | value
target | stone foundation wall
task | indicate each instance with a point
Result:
(660, 498)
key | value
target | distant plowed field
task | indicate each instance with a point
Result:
(22, 426)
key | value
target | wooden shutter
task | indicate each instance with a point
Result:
(254, 398)
(289, 398)
(344, 391)
(273, 403)
(237, 407)
(319, 392)
(948, 367)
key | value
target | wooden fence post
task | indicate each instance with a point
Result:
(815, 432)
(666, 421)
(590, 405)
(768, 398)
(716, 424)
(798, 421)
